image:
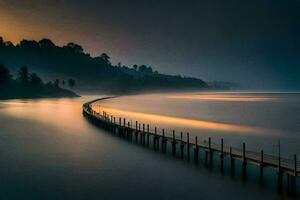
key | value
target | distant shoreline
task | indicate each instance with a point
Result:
(41, 97)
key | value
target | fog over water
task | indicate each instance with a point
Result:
(49, 150)
(259, 119)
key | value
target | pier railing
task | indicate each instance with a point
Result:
(290, 167)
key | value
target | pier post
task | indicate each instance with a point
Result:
(154, 138)
(279, 181)
(163, 142)
(136, 131)
(293, 177)
(188, 145)
(115, 130)
(181, 146)
(124, 127)
(232, 164)
(140, 132)
(261, 166)
(143, 135)
(131, 130)
(222, 155)
(196, 151)
(120, 126)
(244, 162)
(157, 141)
(210, 153)
(279, 172)
(206, 157)
(288, 183)
(148, 135)
(293, 187)
(111, 124)
(128, 130)
(174, 144)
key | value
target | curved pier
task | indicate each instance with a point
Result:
(188, 148)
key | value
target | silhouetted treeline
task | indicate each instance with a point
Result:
(92, 73)
(30, 85)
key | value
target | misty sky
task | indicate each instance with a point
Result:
(252, 42)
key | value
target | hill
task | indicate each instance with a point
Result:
(91, 73)
(29, 85)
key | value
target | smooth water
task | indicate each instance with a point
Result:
(48, 150)
(260, 120)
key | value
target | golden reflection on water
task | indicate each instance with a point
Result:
(176, 121)
(57, 112)
(238, 98)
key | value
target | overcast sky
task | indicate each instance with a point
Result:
(253, 42)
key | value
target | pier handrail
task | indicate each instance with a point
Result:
(290, 166)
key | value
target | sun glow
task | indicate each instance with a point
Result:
(176, 121)
(238, 98)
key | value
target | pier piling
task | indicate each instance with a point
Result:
(285, 168)
(174, 144)
(181, 146)
(244, 164)
(210, 153)
(232, 163)
(222, 155)
(188, 146)
(261, 166)
(148, 135)
(196, 151)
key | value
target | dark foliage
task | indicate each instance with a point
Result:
(90, 73)
(28, 85)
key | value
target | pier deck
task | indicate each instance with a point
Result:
(187, 146)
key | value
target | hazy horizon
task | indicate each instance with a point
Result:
(254, 44)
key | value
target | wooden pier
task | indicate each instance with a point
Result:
(184, 147)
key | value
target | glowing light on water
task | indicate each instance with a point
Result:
(177, 121)
(237, 98)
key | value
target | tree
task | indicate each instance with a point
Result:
(71, 83)
(29, 44)
(5, 76)
(145, 70)
(23, 75)
(119, 64)
(46, 43)
(63, 83)
(135, 67)
(105, 58)
(35, 80)
(8, 44)
(49, 84)
(56, 83)
(76, 48)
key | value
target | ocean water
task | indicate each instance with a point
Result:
(48, 150)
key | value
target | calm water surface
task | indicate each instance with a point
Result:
(261, 120)
(49, 151)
